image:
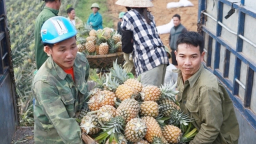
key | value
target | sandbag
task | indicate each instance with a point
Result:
(163, 29)
(181, 3)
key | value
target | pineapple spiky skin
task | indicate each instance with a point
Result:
(153, 129)
(81, 48)
(167, 106)
(107, 98)
(97, 49)
(90, 47)
(93, 33)
(91, 38)
(94, 103)
(171, 133)
(103, 49)
(90, 124)
(128, 109)
(142, 142)
(105, 113)
(124, 91)
(135, 130)
(121, 140)
(134, 84)
(119, 47)
(116, 37)
(149, 108)
(151, 93)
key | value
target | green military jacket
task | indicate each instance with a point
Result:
(41, 56)
(207, 101)
(58, 99)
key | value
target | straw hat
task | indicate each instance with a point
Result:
(135, 3)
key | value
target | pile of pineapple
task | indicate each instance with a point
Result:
(100, 42)
(121, 110)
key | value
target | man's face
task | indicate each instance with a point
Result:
(95, 10)
(72, 14)
(189, 59)
(58, 3)
(63, 53)
(176, 21)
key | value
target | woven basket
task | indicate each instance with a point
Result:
(105, 61)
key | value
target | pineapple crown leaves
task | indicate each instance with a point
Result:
(168, 91)
(111, 83)
(111, 130)
(178, 118)
(119, 73)
(157, 140)
(189, 133)
(88, 124)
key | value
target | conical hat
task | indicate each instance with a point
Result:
(135, 3)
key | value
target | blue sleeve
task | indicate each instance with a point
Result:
(98, 21)
(88, 21)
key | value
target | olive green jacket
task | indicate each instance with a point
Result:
(206, 100)
(46, 14)
(58, 101)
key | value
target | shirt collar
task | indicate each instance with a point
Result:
(192, 80)
(52, 10)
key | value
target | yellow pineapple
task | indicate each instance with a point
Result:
(97, 49)
(134, 84)
(91, 38)
(90, 47)
(149, 108)
(119, 47)
(154, 132)
(116, 37)
(128, 109)
(135, 130)
(94, 103)
(124, 91)
(105, 113)
(172, 134)
(93, 33)
(81, 48)
(90, 124)
(150, 93)
(106, 97)
(103, 49)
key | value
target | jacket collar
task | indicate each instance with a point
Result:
(52, 10)
(192, 80)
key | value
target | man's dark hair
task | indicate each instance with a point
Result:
(46, 1)
(192, 38)
(69, 10)
(176, 15)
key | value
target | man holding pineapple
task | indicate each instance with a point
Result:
(60, 85)
(202, 96)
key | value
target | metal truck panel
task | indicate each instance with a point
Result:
(231, 55)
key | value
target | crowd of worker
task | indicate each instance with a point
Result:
(60, 84)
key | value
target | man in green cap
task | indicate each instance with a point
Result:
(51, 9)
(119, 30)
(95, 19)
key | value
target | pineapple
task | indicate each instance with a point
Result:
(149, 108)
(116, 37)
(90, 47)
(105, 113)
(99, 31)
(171, 133)
(128, 109)
(119, 47)
(168, 91)
(121, 140)
(106, 98)
(94, 103)
(135, 130)
(107, 30)
(81, 48)
(134, 84)
(154, 132)
(93, 33)
(103, 49)
(150, 93)
(97, 48)
(167, 106)
(142, 142)
(91, 38)
(90, 124)
(124, 91)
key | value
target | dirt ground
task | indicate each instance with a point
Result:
(23, 135)
(163, 15)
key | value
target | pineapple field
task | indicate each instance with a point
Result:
(121, 110)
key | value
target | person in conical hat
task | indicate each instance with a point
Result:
(148, 52)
